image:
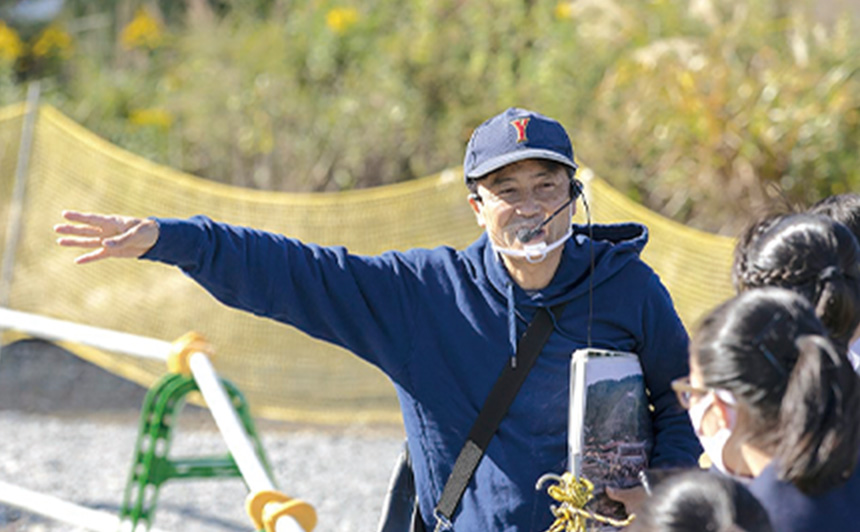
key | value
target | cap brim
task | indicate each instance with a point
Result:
(495, 163)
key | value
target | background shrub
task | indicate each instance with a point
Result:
(705, 111)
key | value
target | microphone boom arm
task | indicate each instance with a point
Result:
(527, 235)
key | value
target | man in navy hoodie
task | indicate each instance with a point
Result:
(442, 323)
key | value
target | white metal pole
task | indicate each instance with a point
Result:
(226, 418)
(228, 422)
(58, 509)
(233, 432)
(59, 330)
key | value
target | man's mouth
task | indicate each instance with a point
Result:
(529, 234)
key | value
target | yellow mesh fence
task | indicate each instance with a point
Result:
(284, 373)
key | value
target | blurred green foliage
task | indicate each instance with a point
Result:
(703, 110)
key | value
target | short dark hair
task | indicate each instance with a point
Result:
(767, 347)
(814, 256)
(844, 208)
(698, 500)
(551, 166)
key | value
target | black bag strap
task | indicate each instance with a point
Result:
(494, 410)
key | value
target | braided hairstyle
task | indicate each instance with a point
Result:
(844, 208)
(812, 255)
(801, 396)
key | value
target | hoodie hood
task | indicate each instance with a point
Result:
(614, 245)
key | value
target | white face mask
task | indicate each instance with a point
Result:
(534, 252)
(714, 444)
(537, 252)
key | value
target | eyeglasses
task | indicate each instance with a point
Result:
(686, 391)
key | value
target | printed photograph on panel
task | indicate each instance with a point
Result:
(618, 434)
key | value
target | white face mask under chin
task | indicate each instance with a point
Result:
(714, 444)
(533, 252)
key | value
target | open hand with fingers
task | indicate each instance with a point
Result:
(107, 235)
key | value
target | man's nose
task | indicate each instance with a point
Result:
(529, 206)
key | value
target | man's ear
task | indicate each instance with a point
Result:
(477, 206)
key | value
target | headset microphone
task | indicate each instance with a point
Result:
(527, 235)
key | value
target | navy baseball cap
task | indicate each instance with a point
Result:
(512, 136)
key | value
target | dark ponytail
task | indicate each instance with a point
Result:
(819, 426)
(837, 303)
(767, 347)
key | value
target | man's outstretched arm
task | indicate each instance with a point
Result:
(107, 235)
(357, 302)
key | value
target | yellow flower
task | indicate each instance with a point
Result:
(686, 80)
(52, 41)
(339, 19)
(144, 31)
(11, 46)
(151, 117)
(563, 10)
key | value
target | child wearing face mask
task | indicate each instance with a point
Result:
(773, 399)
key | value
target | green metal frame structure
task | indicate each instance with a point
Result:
(152, 466)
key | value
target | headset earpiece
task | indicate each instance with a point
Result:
(576, 188)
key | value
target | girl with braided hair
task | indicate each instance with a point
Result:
(772, 399)
(845, 209)
(812, 255)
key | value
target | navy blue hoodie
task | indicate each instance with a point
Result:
(791, 510)
(437, 323)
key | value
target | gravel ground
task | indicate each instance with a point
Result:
(68, 429)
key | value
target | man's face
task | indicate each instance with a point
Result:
(521, 196)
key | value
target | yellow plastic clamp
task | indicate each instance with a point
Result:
(182, 349)
(266, 507)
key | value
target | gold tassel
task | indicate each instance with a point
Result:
(573, 494)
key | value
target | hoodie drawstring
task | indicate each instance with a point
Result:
(512, 325)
